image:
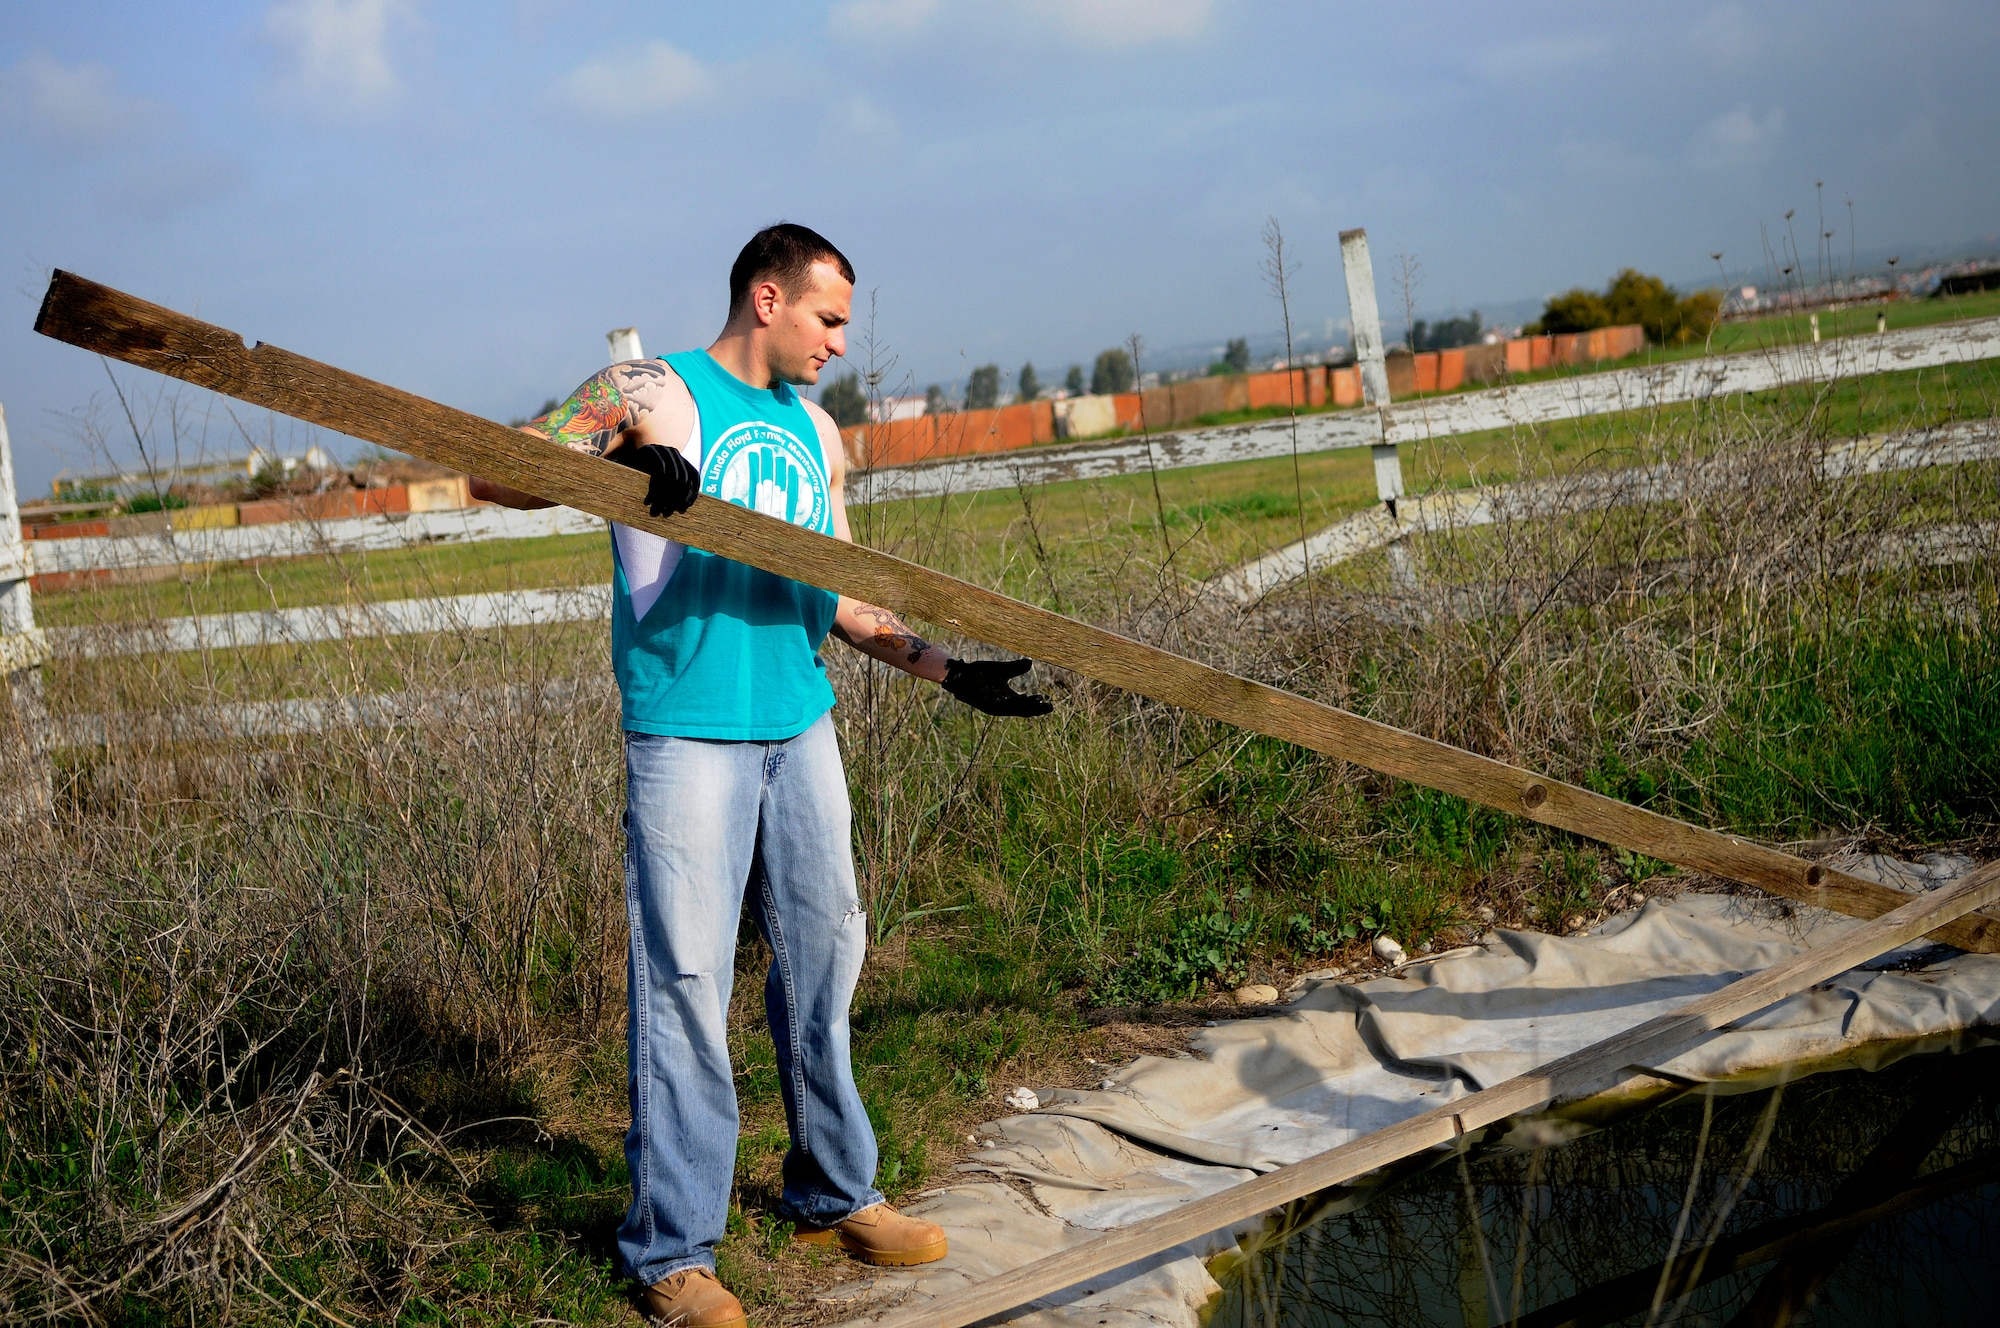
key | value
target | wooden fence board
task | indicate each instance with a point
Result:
(98, 318)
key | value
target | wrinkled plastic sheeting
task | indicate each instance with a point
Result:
(994, 1228)
(1342, 1061)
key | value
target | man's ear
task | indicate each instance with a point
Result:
(764, 300)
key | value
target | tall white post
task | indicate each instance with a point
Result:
(624, 343)
(1366, 316)
(24, 782)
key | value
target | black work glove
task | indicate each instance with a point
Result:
(672, 479)
(983, 685)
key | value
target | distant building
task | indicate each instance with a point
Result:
(889, 409)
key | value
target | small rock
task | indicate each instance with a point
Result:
(972, 1138)
(1423, 947)
(1485, 913)
(1319, 975)
(1106, 1085)
(1388, 951)
(1257, 993)
(1575, 923)
(1637, 899)
(1022, 1099)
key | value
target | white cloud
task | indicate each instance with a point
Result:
(876, 19)
(335, 53)
(1527, 59)
(1125, 22)
(70, 106)
(658, 76)
(1727, 36)
(159, 185)
(1739, 136)
(854, 127)
(1097, 22)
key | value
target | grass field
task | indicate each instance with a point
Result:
(368, 984)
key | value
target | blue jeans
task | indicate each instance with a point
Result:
(703, 820)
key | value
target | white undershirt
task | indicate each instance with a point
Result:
(649, 560)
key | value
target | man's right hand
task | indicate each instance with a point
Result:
(672, 480)
(986, 685)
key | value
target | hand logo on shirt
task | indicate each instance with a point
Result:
(766, 469)
(774, 483)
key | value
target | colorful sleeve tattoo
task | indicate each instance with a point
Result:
(589, 420)
(609, 401)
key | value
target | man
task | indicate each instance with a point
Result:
(733, 777)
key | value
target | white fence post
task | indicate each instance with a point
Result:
(1367, 319)
(624, 343)
(24, 788)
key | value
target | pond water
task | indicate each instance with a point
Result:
(1850, 1198)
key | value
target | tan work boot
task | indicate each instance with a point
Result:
(880, 1235)
(692, 1298)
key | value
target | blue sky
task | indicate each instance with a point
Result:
(460, 199)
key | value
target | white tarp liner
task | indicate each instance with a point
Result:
(1343, 1060)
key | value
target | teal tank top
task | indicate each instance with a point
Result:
(728, 651)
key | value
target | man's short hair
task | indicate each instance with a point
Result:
(785, 254)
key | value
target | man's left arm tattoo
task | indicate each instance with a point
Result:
(888, 634)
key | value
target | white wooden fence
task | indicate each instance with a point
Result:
(1538, 404)
(290, 539)
(1952, 444)
(333, 622)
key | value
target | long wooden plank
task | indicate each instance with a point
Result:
(98, 318)
(1592, 1067)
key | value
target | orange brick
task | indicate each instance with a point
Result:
(1427, 372)
(1451, 370)
(1346, 384)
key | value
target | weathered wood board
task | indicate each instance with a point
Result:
(98, 318)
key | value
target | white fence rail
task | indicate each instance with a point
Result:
(1953, 444)
(288, 539)
(301, 717)
(1530, 404)
(333, 622)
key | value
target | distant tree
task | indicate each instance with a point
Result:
(1029, 386)
(934, 402)
(1635, 297)
(1445, 333)
(1073, 380)
(1113, 372)
(1576, 310)
(845, 401)
(1694, 317)
(1236, 355)
(982, 390)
